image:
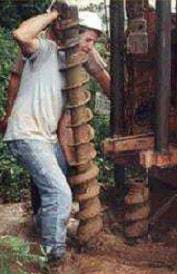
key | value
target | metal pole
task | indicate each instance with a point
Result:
(163, 43)
(135, 8)
(117, 66)
(117, 80)
(106, 20)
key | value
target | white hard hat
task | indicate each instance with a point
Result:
(90, 20)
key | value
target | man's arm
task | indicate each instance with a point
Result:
(26, 34)
(96, 68)
(104, 80)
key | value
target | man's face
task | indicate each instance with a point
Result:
(87, 40)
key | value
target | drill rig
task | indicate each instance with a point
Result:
(143, 101)
(143, 109)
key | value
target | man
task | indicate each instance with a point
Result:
(32, 125)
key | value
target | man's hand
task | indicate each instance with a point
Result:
(59, 5)
(27, 33)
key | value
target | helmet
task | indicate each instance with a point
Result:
(90, 20)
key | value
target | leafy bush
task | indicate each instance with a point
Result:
(8, 53)
(101, 126)
(13, 11)
(13, 178)
(16, 256)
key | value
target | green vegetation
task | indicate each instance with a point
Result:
(16, 257)
(13, 11)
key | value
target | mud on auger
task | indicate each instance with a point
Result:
(82, 152)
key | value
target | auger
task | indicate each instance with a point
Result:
(82, 152)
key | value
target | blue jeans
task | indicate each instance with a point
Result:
(46, 164)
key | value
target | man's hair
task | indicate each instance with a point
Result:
(82, 29)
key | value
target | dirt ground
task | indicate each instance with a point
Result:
(108, 253)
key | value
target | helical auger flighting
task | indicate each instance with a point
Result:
(82, 152)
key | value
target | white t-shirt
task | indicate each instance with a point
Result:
(39, 103)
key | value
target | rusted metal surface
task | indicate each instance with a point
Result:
(141, 89)
(143, 151)
(117, 66)
(81, 149)
(137, 210)
(135, 9)
(140, 94)
(128, 143)
(126, 158)
(152, 158)
(137, 40)
(88, 175)
(163, 209)
(163, 59)
(167, 175)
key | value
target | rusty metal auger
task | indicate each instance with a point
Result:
(84, 182)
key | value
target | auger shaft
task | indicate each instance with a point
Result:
(84, 182)
(137, 210)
